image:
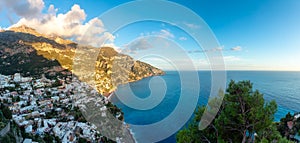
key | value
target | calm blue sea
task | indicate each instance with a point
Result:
(284, 87)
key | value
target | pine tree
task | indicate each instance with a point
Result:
(244, 116)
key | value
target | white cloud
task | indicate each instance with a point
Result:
(182, 38)
(202, 61)
(69, 25)
(192, 26)
(217, 49)
(166, 34)
(52, 10)
(231, 58)
(221, 48)
(162, 33)
(24, 8)
(237, 48)
(137, 45)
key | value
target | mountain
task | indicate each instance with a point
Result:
(28, 30)
(18, 55)
(24, 50)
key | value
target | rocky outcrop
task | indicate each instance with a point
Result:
(17, 55)
(24, 50)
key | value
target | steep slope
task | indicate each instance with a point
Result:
(24, 50)
(17, 56)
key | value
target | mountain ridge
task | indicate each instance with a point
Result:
(24, 50)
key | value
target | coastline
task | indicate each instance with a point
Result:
(126, 125)
(112, 93)
(131, 133)
(284, 106)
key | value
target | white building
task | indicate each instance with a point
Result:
(297, 116)
(27, 141)
(17, 77)
(28, 129)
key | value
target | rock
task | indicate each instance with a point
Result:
(24, 50)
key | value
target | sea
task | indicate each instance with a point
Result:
(281, 86)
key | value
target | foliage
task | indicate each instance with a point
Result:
(6, 112)
(283, 128)
(192, 134)
(48, 138)
(12, 135)
(82, 140)
(114, 110)
(56, 83)
(243, 115)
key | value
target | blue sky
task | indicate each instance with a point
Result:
(253, 34)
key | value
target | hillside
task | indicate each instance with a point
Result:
(24, 50)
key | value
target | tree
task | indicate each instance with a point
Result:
(192, 134)
(6, 112)
(42, 123)
(48, 138)
(245, 111)
(56, 83)
(18, 99)
(5, 139)
(56, 138)
(243, 115)
(82, 140)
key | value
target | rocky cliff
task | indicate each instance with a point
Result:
(24, 50)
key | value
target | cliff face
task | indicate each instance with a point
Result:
(16, 55)
(115, 69)
(24, 50)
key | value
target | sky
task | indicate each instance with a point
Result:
(252, 34)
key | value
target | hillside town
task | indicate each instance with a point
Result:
(47, 107)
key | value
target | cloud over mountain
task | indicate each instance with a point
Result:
(72, 24)
(137, 45)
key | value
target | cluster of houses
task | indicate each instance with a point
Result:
(39, 106)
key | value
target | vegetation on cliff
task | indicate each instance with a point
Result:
(243, 117)
(26, 51)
